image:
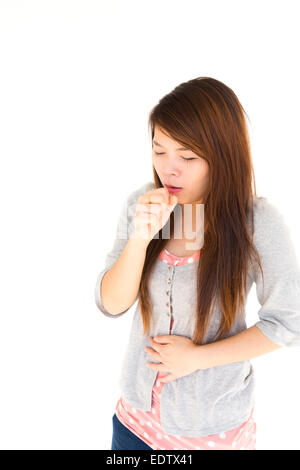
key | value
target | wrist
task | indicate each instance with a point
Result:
(200, 357)
(139, 241)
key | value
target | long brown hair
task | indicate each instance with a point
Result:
(205, 115)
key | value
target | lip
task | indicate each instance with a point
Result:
(173, 189)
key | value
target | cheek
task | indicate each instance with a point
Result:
(156, 165)
(199, 177)
(206, 174)
(203, 172)
(198, 172)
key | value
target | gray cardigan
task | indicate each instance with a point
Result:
(220, 398)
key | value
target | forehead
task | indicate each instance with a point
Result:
(162, 140)
(162, 136)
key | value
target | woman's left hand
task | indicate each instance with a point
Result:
(177, 355)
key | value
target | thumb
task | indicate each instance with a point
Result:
(173, 200)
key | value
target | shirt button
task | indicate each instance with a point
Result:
(167, 304)
(168, 292)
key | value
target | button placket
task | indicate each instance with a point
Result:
(168, 292)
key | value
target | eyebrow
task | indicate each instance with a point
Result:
(159, 145)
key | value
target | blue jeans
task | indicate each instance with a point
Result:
(124, 439)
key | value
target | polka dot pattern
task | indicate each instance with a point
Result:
(169, 258)
(147, 426)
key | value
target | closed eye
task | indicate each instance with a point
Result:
(186, 159)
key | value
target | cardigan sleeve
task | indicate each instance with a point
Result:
(125, 227)
(279, 315)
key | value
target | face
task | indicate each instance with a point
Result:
(179, 167)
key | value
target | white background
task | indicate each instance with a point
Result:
(77, 82)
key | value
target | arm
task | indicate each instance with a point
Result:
(279, 315)
(243, 346)
(123, 265)
(120, 284)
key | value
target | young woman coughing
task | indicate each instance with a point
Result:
(190, 257)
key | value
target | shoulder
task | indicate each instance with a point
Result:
(270, 229)
(266, 214)
(264, 208)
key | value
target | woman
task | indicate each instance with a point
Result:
(187, 381)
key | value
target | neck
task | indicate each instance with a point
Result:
(191, 216)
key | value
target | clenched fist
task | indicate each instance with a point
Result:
(153, 210)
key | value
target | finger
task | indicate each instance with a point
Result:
(159, 367)
(161, 191)
(156, 195)
(153, 354)
(154, 345)
(147, 217)
(149, 208)
(173, 200)
(167, 378)
(163, 339)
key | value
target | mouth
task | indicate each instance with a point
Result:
(173, 189)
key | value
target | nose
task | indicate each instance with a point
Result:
(172, 169)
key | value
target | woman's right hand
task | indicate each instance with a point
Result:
(150, 217)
